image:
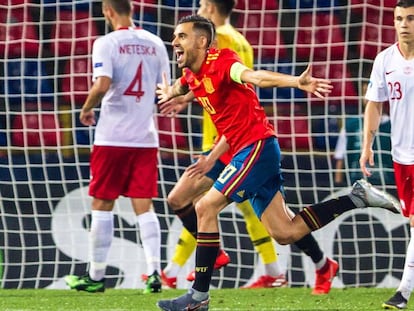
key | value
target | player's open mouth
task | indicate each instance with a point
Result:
(179, 54)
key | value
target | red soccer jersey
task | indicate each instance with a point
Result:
(234, 108)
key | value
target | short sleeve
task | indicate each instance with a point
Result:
(377, 86)
(101, 58)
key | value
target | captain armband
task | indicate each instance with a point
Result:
(236, 70)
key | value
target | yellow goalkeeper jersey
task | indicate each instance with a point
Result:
(227, 37)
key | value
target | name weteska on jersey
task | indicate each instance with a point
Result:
(137, 49)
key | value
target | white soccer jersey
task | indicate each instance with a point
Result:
(392, 79)
(134, 59)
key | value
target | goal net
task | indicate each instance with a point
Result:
(45, 76)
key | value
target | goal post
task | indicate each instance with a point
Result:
(46, 70)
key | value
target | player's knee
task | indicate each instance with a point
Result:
(174, 201)
(282, 237)
(284, 240)
(204, 212)
(200, 208)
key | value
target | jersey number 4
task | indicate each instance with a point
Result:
(135, 87)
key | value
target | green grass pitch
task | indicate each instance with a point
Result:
(222, 299)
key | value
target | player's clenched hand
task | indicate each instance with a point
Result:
(163, 90)
(87, 117)
(200, 168)
(318, 87)
(366, 157)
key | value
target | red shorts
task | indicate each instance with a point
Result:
(404, 180)
(128, 171)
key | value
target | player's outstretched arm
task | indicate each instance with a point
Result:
(265, 78)
(316, 86)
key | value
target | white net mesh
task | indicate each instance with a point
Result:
(45, 68)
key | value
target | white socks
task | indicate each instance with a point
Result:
(102, 231)
(407, 280)
(101, 235)
(273, 269)
(172, 270)
(150, 232)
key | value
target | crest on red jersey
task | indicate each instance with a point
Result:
(208, 85)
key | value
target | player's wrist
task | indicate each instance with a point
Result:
(86, 109)
(300, 83)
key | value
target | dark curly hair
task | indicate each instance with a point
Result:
(201, 24)
(405, 3)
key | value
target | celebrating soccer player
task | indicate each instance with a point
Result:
(224, 87)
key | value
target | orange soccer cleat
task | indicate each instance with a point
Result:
(267, 281)
(324, 277)
(169, 282)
